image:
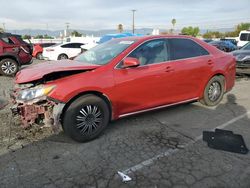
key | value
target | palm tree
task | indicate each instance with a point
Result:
(120, 28)
(173, 22)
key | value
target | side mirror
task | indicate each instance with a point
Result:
(130, 62)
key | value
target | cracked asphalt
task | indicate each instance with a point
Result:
(156, 149)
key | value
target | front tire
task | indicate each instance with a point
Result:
(8, 67)
(86, 118)
(214, 91)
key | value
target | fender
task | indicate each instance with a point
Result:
(11, 56)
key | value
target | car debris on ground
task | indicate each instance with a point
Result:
(225, 140)
(125, 178)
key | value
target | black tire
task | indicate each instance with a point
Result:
(8, 67)
(62, 56)
(39, 56)
(79, 126)
(214, 91)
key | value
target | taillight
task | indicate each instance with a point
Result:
(50, 50)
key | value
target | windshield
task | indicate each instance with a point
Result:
(246, 47)
(104, 53)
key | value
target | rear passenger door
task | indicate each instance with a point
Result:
(188, 68)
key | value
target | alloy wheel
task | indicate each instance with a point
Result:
(9, 67)
(214, 91)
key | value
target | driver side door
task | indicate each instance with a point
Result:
(137, 87)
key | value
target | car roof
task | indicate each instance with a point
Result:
(149, 37)
(8, 35)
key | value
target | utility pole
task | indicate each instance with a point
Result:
(4, 27)
(67, 29)
(47, 28)
(133, 26)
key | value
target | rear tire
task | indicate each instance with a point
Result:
(62, 56)
(86, 118)
(214, 91)
(8, 67)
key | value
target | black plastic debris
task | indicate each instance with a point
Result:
(225, 140)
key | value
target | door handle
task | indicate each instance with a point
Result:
(169, 69)
(210, 62)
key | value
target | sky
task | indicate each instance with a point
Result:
(97, 14)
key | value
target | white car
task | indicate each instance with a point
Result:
(62, 51)
(244, 38)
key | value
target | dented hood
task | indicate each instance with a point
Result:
(38, 71)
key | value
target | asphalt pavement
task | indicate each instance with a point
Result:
(163, 148)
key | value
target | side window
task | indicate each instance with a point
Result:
(78, 45)
(185, 48)
(245, 37)
(151, 52)
(7, 40)
(71, 45)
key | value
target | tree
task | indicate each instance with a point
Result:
(173, 22)
(47, 37)
(1, 30)
(39, 37)
(120, 28)
(26, 37)
(193, 31)
(76, 34)
(242, 26)
(213, 34)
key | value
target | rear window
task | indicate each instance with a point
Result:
(185, 48)
(245, 37)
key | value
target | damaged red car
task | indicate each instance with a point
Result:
(119, 78)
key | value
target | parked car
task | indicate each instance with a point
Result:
(14, 53)
(119, 78)
(38, 49)
(62, 51)
(207, 40)
(108, 37)
(243, 59)
(225, 46)
(244, 38)
(232, 40)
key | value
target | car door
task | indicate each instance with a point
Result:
(137, 88)
(187, 70)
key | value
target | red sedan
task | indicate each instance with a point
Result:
(119, 78)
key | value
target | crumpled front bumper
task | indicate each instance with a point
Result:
(44, 111)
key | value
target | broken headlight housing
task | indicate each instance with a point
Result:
(34, 93)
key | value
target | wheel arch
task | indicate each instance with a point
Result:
(96, 93)
(8, 56)
(213, 75)
(62, 54)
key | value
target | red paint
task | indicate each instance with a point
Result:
(143, 87)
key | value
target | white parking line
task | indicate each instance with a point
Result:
(172, 151)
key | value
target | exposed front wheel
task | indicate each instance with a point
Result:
(8, 67)
(86, 118)
(214, 91)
